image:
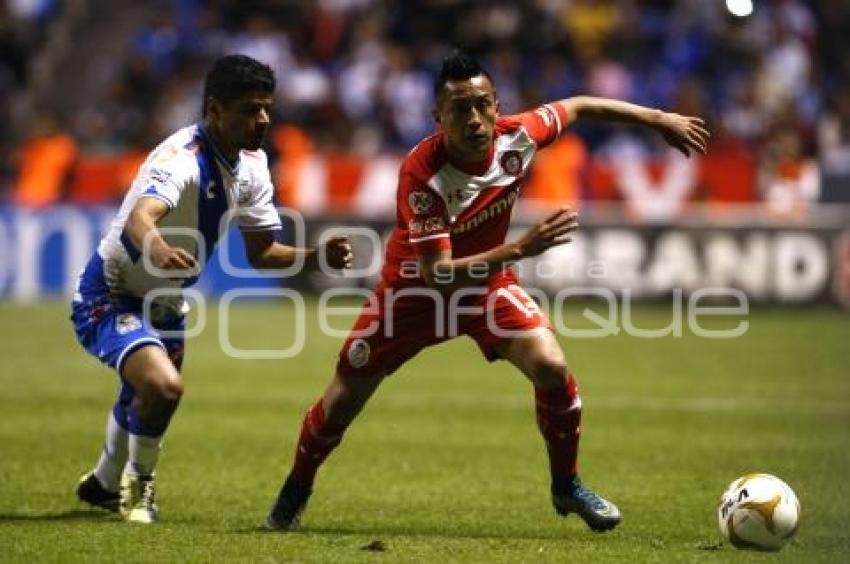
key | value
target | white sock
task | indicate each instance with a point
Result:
(144, 452)
(114, 455)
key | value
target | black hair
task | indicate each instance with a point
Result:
(458, 65)
(232, 76)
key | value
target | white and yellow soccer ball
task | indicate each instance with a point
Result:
(758, 511)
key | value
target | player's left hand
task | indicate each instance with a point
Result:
(338, 253)
(685, 133)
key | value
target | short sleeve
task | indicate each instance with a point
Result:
(256, 209)
(423, 213)
(167, 173)
(546, 123)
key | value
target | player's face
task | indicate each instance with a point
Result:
(467, 111)
(242, 123)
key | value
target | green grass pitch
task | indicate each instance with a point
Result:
(446, 463)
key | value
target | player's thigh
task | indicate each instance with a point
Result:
(152, 374)
(515, 329)
(146, 355)
(518, 331)
(381, 341)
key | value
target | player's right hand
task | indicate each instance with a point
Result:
(552, 231)
(167, 257)
(338, 252)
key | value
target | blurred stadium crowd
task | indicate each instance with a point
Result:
(355, 85)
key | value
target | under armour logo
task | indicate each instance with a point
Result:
(455, 196)
(209, 189)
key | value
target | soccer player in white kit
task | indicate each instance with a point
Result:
(195, 177)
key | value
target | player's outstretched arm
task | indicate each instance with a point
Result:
(265, 253)
(446, 274)
(685, 133)
(141, 226)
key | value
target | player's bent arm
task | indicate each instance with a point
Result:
(141, 225)
(446, 274)
(266, 253)
(685, 133)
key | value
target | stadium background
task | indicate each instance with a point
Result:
(88, 86)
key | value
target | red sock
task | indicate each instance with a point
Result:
(559, 421)
(315, 443)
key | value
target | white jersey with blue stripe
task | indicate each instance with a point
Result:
(189, 174)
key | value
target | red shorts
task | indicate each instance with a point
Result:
(395, 324)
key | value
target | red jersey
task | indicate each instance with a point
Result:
(465, 208)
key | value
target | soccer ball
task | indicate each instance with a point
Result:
(758, 511)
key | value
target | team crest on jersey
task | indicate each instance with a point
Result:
(127, 322)
(420, 202)
(358, 353)
(511, 162)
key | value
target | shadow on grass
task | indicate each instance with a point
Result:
(402, 531)
(72, 515)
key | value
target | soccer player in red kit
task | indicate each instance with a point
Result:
(447, 272)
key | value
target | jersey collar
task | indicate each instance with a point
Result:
(231, 167)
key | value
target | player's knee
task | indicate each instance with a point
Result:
(166, 392)
(550, 372)
(171, 390)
